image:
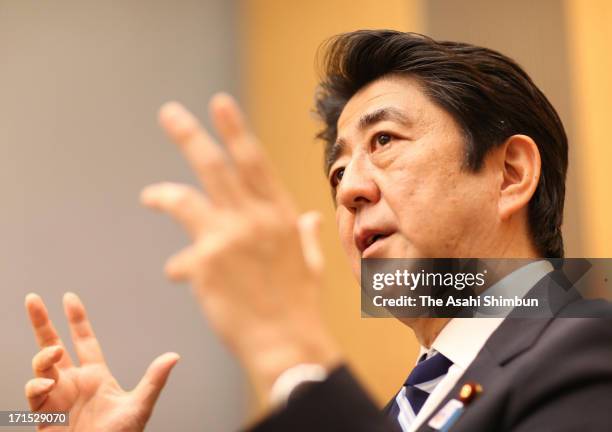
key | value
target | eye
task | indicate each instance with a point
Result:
(382, 139)
(336, 177)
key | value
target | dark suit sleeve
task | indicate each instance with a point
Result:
(336, 404)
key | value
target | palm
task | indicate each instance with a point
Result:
(89, 392)
(82, 390)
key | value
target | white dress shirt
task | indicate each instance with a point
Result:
(461, 350)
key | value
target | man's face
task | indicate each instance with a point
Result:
(401, 188)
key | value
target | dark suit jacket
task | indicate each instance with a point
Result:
(537, 374)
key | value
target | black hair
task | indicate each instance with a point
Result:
(488, 94)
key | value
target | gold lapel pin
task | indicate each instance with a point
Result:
(452, 410)
(469, 391)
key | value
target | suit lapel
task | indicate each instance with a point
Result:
(513, 337)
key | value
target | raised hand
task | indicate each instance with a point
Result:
(88, 391)
(254, 263)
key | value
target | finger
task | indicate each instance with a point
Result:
(190, 262)
(85, 343)
(150, 386)
(37, 390)
(182, 202)
(205, 156)
(45, 332)
(182, 265)
(43, 363)
(309, 225)
(247, 155)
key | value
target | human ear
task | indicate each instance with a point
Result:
(521, 174)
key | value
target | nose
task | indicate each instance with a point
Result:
(357, 187)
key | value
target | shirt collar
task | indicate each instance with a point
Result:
(462, 338)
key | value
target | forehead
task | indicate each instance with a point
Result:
(401, 93)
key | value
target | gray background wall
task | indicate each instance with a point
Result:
(80, 84)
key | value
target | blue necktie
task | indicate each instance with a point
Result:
(420, 383)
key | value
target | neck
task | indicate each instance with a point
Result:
(515, 242)
(426, 329)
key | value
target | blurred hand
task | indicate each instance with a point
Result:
(255, 264)
(88, 392)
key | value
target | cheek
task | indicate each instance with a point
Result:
(408, 195)
(428, 202)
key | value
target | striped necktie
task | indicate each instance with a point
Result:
(420, 383)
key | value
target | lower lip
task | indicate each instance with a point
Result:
(374, 247)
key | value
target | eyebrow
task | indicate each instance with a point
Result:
(367, 120)
(382, 114)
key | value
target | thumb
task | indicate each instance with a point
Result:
(150, 386)
(309, 225)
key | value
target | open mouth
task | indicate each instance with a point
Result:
(372, 242)
(367, 240)
(373, 239)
